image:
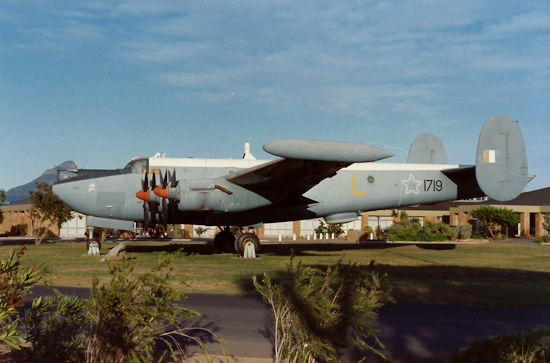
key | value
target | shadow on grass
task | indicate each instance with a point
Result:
(172, 247)
(448, 284)
(25, 241)
(284, 249)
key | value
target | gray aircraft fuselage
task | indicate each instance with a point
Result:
(357, 188)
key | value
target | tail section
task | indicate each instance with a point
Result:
(501, 162)
(427, 149)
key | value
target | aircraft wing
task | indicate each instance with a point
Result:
(285, 179)
(304, 164)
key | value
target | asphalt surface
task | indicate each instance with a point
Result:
(411, 332)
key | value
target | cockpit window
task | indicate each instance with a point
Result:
(137, 166)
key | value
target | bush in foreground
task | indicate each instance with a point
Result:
(123, 320)
(316, 310)
(15, 282)
(527, 346)
(130, 313)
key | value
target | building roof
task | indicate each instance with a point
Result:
(539, 197)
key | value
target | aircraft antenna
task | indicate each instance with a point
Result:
(247, 154)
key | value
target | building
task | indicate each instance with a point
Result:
(19, 213)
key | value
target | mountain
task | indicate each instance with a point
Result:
(49, 176)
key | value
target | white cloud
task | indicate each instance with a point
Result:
(523, 23)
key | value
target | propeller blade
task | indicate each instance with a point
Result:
(154, 181)
(173, 180)
(165, 180)
(145, 183)
(165, 214)
(146, 215)
(154, 211)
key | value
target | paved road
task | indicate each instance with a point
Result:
(411, 332)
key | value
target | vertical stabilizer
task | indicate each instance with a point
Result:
(427, 149)
(501, 162)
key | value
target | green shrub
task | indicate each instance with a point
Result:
(316, 310)
(15, 282)
(406, 230)
(542, 239)
(130, 313)
(479, 235)
(55, 328)
(527, 346)
(464, 231)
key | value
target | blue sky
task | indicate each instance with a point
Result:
(101, 82)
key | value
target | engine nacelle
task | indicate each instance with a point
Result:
(195, 194)
(217, 195)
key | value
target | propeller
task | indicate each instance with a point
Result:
(145, 195)
(164, 214)
(146, 215)
(150, 207)
(169, 205)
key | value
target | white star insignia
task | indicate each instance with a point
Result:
(411, 184)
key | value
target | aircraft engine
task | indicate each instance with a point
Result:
(198, 194)
(217, 195)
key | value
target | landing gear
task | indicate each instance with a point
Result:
(247, 241)
(90, 239)
(93, 243)
(224, 241)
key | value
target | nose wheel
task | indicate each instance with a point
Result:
(247, 241)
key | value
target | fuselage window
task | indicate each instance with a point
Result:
(139, 166)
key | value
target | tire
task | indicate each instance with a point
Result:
(223, 242)
(88, 242)
(243, 240)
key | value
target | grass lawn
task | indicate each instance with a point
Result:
(483, 274)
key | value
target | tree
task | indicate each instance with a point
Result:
(47, 211)
(331, 228)
(200, 231)
(2, 199)
(494, 218)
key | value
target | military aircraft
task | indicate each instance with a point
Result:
(309, 179)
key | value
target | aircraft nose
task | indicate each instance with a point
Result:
(61, 191)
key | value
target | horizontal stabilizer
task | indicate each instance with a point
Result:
(501, 161)
(334, 151)
(427, 149)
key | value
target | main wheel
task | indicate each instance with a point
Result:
(223, 242)
(247, 239)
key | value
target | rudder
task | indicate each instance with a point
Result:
(427, 149)
(501, 161)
